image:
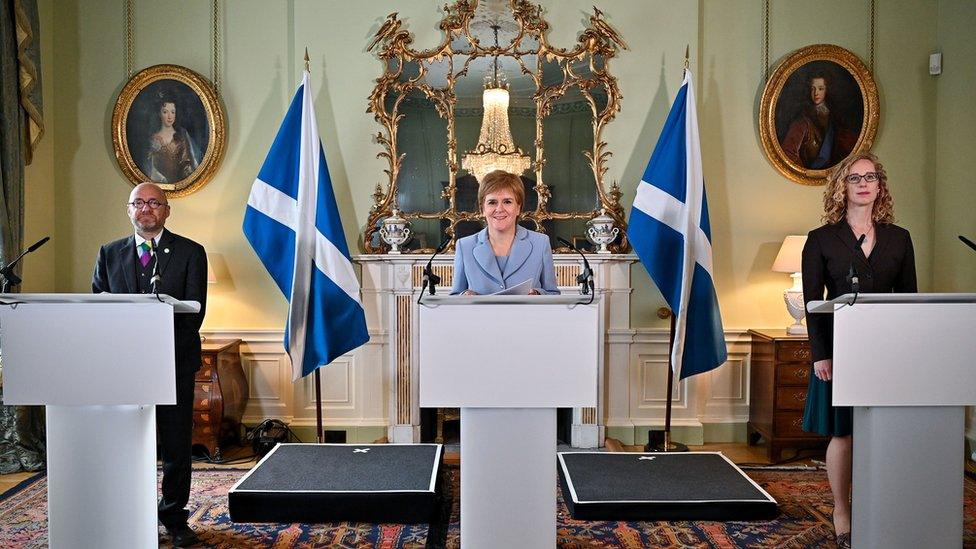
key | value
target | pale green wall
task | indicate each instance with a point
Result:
(954, 265)
(39, 196)
(752, 206)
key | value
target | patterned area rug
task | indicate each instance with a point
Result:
(804, 498)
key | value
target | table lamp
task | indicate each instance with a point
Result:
(789, 260)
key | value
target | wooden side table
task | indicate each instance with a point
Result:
(220, 395)
(779, 374)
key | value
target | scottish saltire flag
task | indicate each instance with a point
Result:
(670, 233)
(292, 222)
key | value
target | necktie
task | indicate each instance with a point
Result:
(144, 254)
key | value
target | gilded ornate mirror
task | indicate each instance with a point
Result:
(493, 94)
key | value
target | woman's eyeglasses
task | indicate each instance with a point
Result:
(855, 178)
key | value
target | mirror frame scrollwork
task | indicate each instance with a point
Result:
(393, 45)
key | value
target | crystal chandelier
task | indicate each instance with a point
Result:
(495, 149)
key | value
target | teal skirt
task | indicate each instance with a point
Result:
(822, 418)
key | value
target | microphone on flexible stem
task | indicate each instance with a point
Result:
(7, 272)
(852, 273)
(430, 279)
(585, 278)
(968, 242)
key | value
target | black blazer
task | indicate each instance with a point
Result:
(183, 272)
(827, 258)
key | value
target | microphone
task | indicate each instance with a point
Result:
(968, 242)
(156, 277)
(37, 244)
(7, 272)
(852, 273)
(430, 279)
(585, 278)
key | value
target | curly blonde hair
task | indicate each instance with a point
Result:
(835, 194)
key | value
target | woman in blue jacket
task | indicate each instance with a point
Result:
(503, 254)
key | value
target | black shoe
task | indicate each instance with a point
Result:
(182, 536)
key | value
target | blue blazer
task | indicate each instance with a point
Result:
(476, 269)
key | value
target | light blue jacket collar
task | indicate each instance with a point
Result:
(520, 252)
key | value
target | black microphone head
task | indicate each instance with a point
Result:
(437, 251)
(861, 240)
(564, 241)
(967, 242)
(38, 244)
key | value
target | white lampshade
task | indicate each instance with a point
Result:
(789, 258)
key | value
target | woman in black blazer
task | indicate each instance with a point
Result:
(856, 204)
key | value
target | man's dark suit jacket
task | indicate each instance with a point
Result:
(827, 258)
(183, 272)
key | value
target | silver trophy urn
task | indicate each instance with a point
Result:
(395, 231)
(601, 231)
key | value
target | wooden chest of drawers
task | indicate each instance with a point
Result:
(779, 374)
(220, 395)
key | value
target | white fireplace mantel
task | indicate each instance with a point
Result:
(372, 392)
(391, 285)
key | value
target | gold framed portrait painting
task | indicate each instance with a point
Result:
(819, 106)
(168, 127)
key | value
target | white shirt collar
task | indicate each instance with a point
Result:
(140, 240)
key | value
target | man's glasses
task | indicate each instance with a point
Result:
(855, 178)
(140, 203)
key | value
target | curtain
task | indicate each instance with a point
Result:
(21, 126)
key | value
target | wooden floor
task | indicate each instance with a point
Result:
(9, 481)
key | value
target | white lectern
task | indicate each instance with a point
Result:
(508, 362)
(905, 362)
(99, 363)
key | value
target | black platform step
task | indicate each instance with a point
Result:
(314, 483)
(660, 486)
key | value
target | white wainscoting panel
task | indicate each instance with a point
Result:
(727, 386)
(357, 386)
(336, 386)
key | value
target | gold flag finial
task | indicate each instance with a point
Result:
(687, 50)
(308, 70)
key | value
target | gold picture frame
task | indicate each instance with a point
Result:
(168, 127)
(819, 106)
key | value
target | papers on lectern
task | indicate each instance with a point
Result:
(519, 289)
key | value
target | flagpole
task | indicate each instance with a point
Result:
(318, 379)
(668, 445)
(318, 407)
(679, 164)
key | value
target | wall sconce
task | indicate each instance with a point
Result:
(789, 260)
